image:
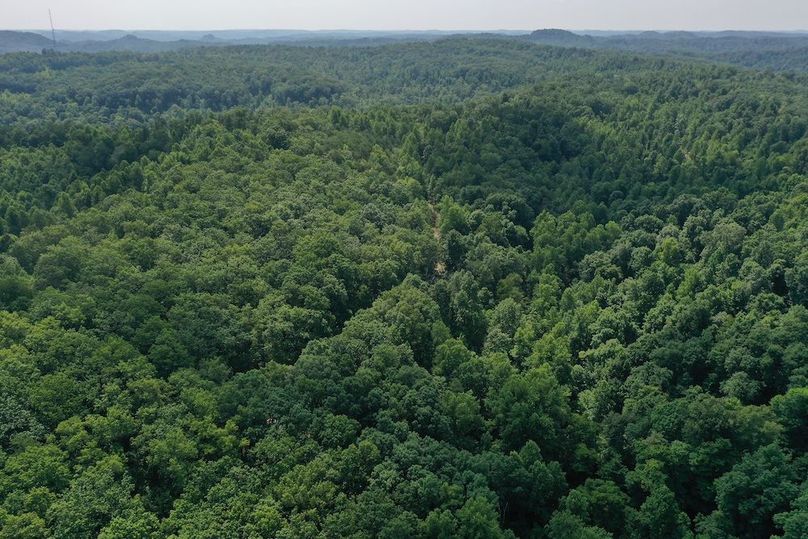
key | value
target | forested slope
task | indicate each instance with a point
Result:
(445, 72)
(464, 289)
(762, 50)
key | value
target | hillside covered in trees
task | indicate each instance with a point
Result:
(761, 50)
(777, 51)
(476, 287)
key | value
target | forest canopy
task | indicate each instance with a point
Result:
(475, 287)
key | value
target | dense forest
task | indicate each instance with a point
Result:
(476, 287)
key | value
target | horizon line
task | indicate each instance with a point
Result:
(406, 30)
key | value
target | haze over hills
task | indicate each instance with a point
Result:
(153, 41)
(782, 51)
(11, 41)
(768, 50)
(652, 41)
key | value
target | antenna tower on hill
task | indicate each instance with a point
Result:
(53, 31)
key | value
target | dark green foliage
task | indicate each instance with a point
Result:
(471, 288)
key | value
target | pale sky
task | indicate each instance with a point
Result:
(407, 14)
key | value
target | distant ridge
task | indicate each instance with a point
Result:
(131, 42)
(780, 51)
(555, 36)
(12, 41)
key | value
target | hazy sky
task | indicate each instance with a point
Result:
(408, 14)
